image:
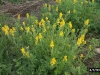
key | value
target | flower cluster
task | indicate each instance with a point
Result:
(65, 58)
(12, 31)
(70, 25)
(37, 38)
(52, 44)
(53, 61)
(81, 55)
(5, 29)
(8, 30)
(26, 54)
(86, 22)
(27, 29)
(81, 40)
(61, 20)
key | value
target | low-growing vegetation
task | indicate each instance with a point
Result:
(53, 44)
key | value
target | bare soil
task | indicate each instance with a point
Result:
(14, 9)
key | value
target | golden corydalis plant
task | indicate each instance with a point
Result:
(5, 29)
(25, 53)
(52, 44)
(53, 61)
(93, 1)
(86, 22)
(65, 58)
(81, 40)
(12, 31)
(52, 40)
(70, 24)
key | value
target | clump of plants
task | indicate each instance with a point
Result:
(46, 46)
(76, 11)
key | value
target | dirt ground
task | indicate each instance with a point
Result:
(28, 7)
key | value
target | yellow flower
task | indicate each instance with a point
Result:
(42, 22)
(70, 24)
(11, 32)
(73, 30)
(61, 33)
(57, 0)
(82, 37)
(75, 1)
(6, 32)
(5, 29)
(23, 23)
(86, 22)
(26, 54)
(18, 16)
(36, 40)
(92, 0)
(45, 4)
(62, 23)
(52, 44)
(60, 15)
(21, 28)
(46, 18)
(60, 1)
(27, 29)
(27, 15)
(74, 57)
(90, 47)
(81, 55)
(13, 29)
(86, 1)
(53, 61)
(22, 50)
(57, 9)
(40, 36)
(65, 58)
(79, 41)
